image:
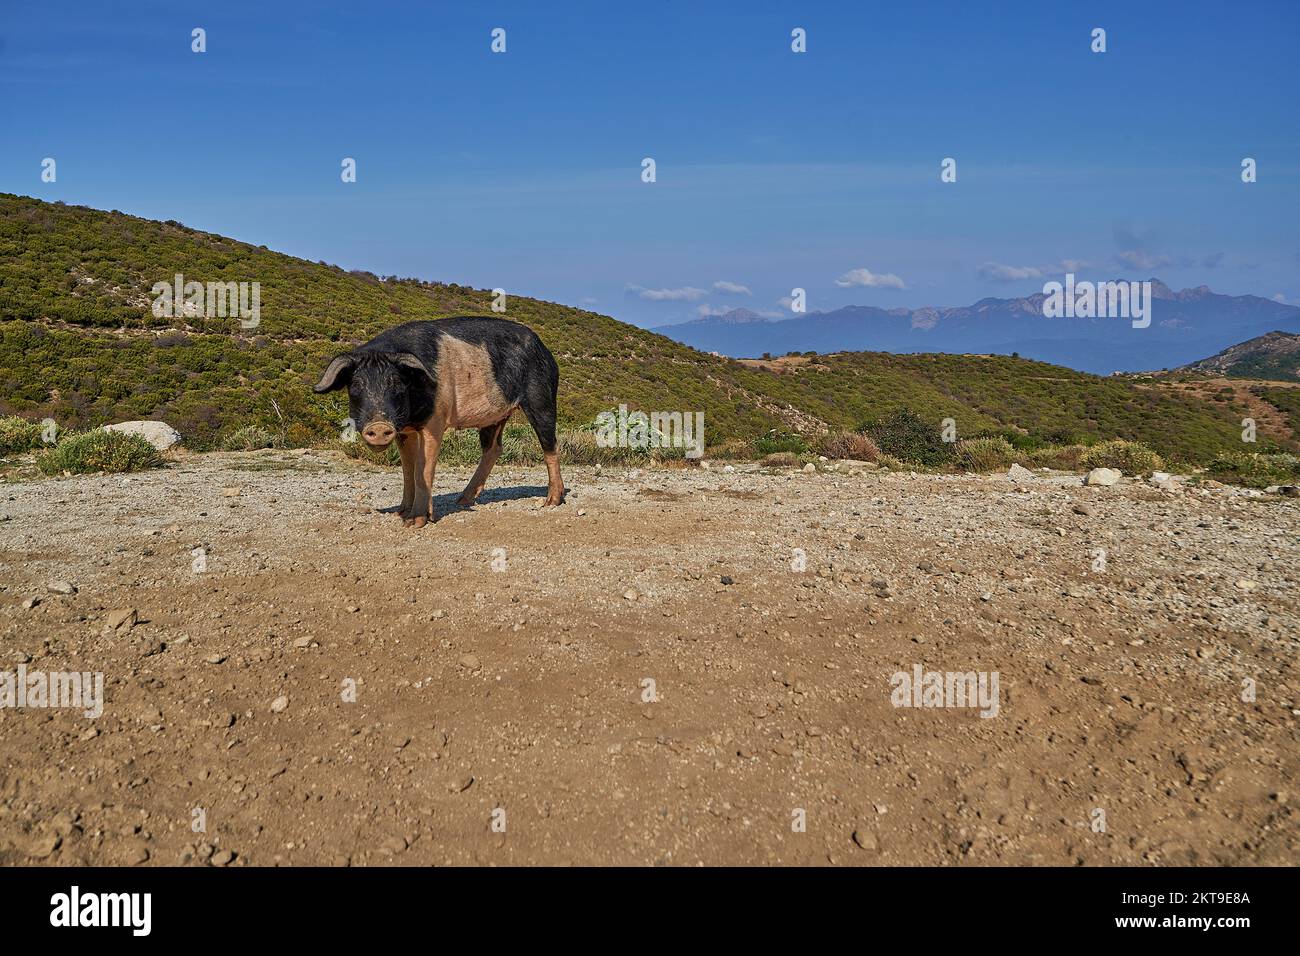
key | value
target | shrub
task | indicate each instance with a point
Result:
(1255, 470)
(99, 450)
(905, 436)
(1130, 457)
(985, 454)
(734, 448)
(775, 441)
(780, 459)
(1018, 440)
(18, 435)
(1064, 457)
(249, 438)
(853, 445)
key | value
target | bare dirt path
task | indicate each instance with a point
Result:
(502, 662)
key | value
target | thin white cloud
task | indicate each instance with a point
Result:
(870, 280)
(684, 294)
(1000, 272)
(1141, 259)
(997, 272)
(731, 288)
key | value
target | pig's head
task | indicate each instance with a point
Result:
(387, 392)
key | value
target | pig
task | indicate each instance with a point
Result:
(413, 382)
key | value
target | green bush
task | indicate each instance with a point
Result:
(775, 441)
(249, 438)
(1130, 457)
(780, 459)
(1256, 470)
(985, 454)
(905, 436)
(93, 451)
(18, 435)
(1062, 457)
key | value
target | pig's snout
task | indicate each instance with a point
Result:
(378, 434)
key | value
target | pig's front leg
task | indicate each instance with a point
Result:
(408, 445)
(426, 462)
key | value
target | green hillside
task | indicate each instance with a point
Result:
(78, 343)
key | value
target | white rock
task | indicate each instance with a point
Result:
(159, 434)
(1102, 476)
(1158, 476)
(1018, 473)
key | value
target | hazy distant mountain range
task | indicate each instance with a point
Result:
(1186, 326)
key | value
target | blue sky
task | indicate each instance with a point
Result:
(775, 169)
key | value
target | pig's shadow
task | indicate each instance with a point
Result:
(450, 503)
(489, 496)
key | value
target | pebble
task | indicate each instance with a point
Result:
(865, 839)
(280, 704)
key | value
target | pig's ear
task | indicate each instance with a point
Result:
(337, 375)
(407, 360)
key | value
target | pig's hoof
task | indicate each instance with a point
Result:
(419, 521)
(466, 500)
(553, 500)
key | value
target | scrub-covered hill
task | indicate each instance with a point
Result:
(80, 342)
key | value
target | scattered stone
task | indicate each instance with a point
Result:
(44, 846)
(1245, 584)
(865, 839)
(232, 492)
(30, 603)
(1020, 474)
(1103, 477)
(460, 784)
(134, 853)
(222, 858)
(280, 704)
(393, 845)
(120, 621)
(727, 579)
(470, 662)
(159, 434)
(61, 587)
(1082, 509)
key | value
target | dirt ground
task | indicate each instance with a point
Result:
(644, 675)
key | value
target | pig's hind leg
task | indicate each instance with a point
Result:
(490, 440)
(541, 415)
